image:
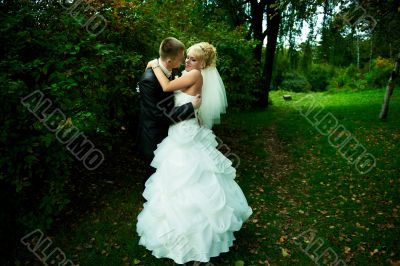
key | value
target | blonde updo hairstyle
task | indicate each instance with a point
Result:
(204, 52)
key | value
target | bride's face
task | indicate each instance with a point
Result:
(192, 62)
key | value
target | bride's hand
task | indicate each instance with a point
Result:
(196, 102)
(152, 63)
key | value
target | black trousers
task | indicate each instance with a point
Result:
(149, 169)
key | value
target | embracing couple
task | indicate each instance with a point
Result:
(193, 204)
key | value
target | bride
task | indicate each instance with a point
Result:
(193, 202)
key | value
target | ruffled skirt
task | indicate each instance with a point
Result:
(193, 202)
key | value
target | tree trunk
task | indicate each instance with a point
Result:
(370, 57)
(257, 13)
(358, 54)
(273, 23)
(389, 89)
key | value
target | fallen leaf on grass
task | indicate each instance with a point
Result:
(285, 252)
(346, 250)
(264, 262)
(282, 239)
(374, 252)
(239, 263)
(104, 253)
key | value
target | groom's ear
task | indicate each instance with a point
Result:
(168, 62)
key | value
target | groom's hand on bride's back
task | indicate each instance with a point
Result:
(196, 101)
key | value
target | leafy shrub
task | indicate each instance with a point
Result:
(92, 80)
(350, 78)
(32, 161)
(351, 71)
(319, 77)
(240, 81)
(380, 72)
(293, 81)
(340, 82)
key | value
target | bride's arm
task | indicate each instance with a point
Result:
(183, 82)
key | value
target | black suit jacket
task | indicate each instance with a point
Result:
(157, 113)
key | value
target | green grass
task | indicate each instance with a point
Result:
(293, 179)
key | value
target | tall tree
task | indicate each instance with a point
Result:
(307, 47)
(273, 23)
(383, 19)
(250, 13)
(327, 42)
(261, 13)
(256, 25)
(389, 89)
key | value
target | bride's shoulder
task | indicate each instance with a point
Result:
(194, 73)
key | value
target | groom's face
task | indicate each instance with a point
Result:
(178, 61)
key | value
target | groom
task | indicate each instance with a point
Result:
(157, 109)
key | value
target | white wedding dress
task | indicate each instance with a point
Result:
(193, 202)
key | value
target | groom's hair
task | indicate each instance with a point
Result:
(170, 47)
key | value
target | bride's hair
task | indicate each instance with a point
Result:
(206, 52)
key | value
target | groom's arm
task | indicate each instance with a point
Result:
(165, 109)
(175, 114)
(181, 113)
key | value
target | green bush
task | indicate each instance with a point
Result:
(319, 77)
(33, 163)
(293, 81)
(351, 71)
(92, 80)
(338, 82)
(239, 80)
(380, 72)
(350, 78)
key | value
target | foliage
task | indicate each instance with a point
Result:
(281, 66)
(380, 72)
(237, 69)
(340, 81)
(384, 21)
(91, 78)
(34, 165)
(295, 82)
(319, 77)
(350, 78)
